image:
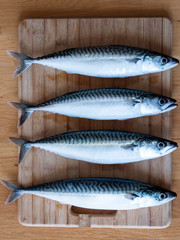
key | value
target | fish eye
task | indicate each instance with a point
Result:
(161, 145)
(162, 196)
(162, 101)
(164, 60)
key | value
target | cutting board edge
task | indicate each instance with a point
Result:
(96, 226)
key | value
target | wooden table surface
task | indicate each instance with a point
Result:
(11, 13)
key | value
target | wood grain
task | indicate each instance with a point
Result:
(41, 166)
(11, 15)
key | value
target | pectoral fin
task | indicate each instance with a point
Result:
(134, 60)
(131, 147)
(136, 101)
(131, 196)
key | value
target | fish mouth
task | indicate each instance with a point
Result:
(173, 147)
(172, 195)
(175, 62)
(172, 63)
(171, 106)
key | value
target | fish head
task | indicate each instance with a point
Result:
(154, 196)
(153, 104)
(152, 147)
(156, 62)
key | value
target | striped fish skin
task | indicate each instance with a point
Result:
(102, 147)
(98, 193)
(101, 61)
(102, 104)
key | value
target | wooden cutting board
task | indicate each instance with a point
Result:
(37, 84)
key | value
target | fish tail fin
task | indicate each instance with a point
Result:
(16, 191)
(25, 109)
(25, 146)
(24, 60)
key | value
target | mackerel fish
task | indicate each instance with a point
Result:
(101, 146)
(97, 193)
(102, 104)
(114, 61)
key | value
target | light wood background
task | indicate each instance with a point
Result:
(11, 12)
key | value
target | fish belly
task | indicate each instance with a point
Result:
(93, 153)
(99, 110)
(109, 68)
(96, 201)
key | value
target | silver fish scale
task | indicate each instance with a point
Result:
(99, 51)
(97, 136)
(96, 94)
(91, 185)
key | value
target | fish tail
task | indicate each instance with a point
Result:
(26, 110)
(25, 146)
(24, 60)
(16, 191)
